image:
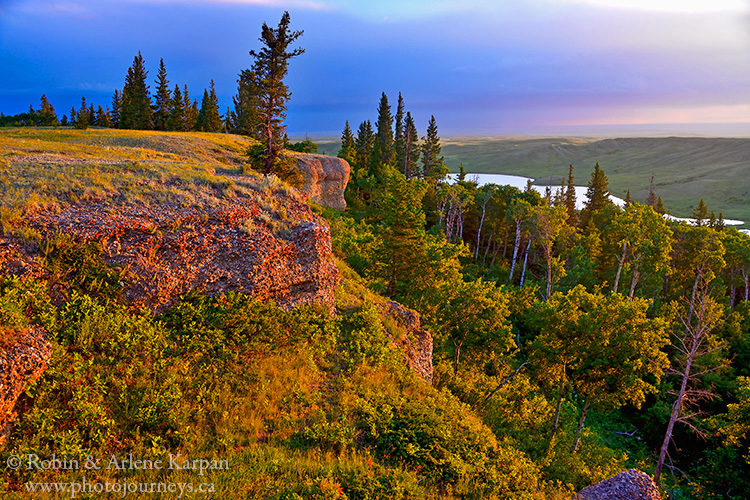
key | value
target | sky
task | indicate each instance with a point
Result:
(481, 67)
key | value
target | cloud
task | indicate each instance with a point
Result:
(677, 6)
(297, 4)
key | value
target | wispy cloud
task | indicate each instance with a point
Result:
(297, 4)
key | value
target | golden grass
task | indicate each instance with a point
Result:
(45, 166)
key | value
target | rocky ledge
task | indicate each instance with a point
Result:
(628, 485)
(325, 178)
(416, 342)
(24, 355)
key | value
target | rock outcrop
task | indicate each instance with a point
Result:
(325, 178)
(416, 342)
(24, 355)
(272, 247)
(628, 485)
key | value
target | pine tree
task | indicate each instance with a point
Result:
(116, 108)
(433, 165)
(92, 115)
(176, 119)
(63, 120)
(245, 118)
(73, 117)
(660, 206)
(162, 98)
(651, 200)
(570, 198)
(227, 124)
(191, 110)
(399, 135)
(348, 149)
(271, 67)
(628, 199)
(411, 148)
(135, 112)
(383, 153)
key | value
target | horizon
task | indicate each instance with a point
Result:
(571, 67)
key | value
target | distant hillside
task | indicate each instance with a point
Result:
(685, 168)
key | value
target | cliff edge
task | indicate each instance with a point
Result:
(325, 178)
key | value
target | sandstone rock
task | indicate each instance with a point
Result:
(628, 485)
(271, 247)
(416, 343)
(325, 178)
(24, 355)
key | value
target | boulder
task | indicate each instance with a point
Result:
(325, 178)
(24, 355)
(628, 485)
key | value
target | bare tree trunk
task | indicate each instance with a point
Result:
(516, 244)
(548, 256)
(732, 287)
(505, 241)
(692, 295)
(746, 279)
(487, 249)
(619, 268)
(676, 407)
(580, 428)
(494, 253)
(479, 231)
(456, 354)
(556, 421)
(634, 281)
(525, 260)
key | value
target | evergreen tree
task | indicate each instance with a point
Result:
(245, 118)
(660, 206)
(135, 112)
(364, 143)
(700, 213)
(628, 199)
(209, 118)
(411, 148)
(433, 165)
(63, 120)
(82, 117)
(271, 67)
(227, 124)
(73, 117)
(570, 198)
(92, 115)
(651, 200)
(162, 98)
(399, 137)
(176, 119)
(383, 153)
(191, 110)
(46, 113)
(348, 149)
(116, 107)
(101, 117)
(597, 194)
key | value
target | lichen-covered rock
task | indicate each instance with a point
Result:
(416, 342)
(325, 178)
(24, 355)
(271, 246)
(628, 485)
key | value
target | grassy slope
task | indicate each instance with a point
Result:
(48, 166)
(685, 168)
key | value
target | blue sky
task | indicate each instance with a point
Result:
(479, 66)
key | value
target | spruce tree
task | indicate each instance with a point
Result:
(660, 206)
(364, 142)
(136, 112)
(433, 165)
(116, 107)
(191, 110)
(64, 120)
(411, 148)
(176, 119)
(82, 117)
(398, 135)
(246, 115)
(651, 200)
(73, 117)
(700, 213)
(101, 117)
(46, 113)
(271, 66)
(348, 149)
(92, 115)
(162, 99)
(209, 119)
(597, 194)
(383, 153)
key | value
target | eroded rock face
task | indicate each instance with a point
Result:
(24, 355)
(628, 485)
(325, 178)
(270, 247)
(416, 343)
